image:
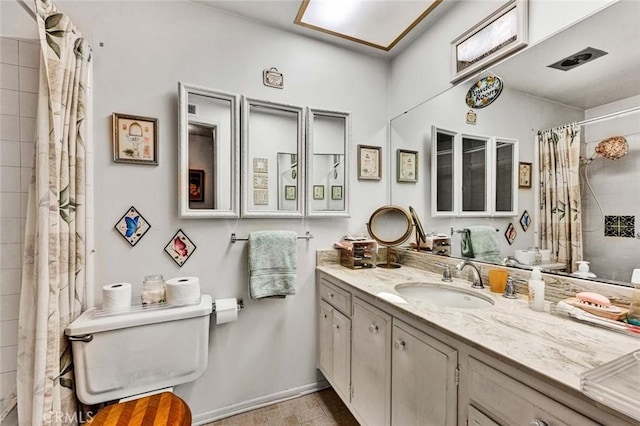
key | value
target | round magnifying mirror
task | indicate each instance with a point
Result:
(390, 226)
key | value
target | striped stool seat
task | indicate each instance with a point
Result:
(161, 409)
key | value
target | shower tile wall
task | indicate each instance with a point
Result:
(19, 62)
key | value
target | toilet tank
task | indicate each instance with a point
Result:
(126, 354)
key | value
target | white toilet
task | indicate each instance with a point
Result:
(127, 354)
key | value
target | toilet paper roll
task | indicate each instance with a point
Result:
(183, 290)
(226, 310)
(116, 296)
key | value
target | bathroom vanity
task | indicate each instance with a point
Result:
(416, 363)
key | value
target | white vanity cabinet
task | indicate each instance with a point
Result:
(370, 364)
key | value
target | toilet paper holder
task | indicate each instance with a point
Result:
(240, 305)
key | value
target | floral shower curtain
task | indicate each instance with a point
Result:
(560, 211)
(54, 272)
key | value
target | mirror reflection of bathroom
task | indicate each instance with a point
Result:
(202, 165)
(329, 135)
(287, 181)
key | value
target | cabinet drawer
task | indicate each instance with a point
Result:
(336, 297)
(509, 402)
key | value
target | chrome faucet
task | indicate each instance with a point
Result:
(510, 261)
(477, 279)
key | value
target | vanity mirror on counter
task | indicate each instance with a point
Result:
(328, 141)
(546, 98)
(273, 174)
(209, 158)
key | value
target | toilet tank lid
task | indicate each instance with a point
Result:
(88, 322)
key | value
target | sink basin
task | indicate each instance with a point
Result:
(443, 295)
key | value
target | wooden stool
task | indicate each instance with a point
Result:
(160, 409)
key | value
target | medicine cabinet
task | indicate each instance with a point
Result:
(273, 174)
(474, 175)
(328, 141)
(209, 158)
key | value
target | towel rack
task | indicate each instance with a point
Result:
(308, 236)
(463, 230)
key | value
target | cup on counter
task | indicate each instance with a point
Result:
(498, 280)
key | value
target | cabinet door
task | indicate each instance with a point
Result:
(341, 354)
(325, 340)
(423, 384)
(371, 364)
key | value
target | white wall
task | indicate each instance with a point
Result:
(148, 48)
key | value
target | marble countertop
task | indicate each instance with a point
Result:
(552, 346)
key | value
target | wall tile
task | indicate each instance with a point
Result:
(9, 332)
(26, 154)
(28, 104)
(11, 257)
(8, 357)
(9, 128)
(10, 305)
(9, 102)
(10, 231)
(10, 281)
(9, 77)
(27, 129)
(25, 178)
(9, 179)
(24, 202)
(10, 153)
(8, 51)
(10, 207)
(29, 54)
(7, 382)
(29, 79)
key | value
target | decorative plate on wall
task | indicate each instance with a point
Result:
(525, 220)
(510, 233)
(132, 226)
(180, 248)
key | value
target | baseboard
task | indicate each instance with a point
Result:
(253, 404)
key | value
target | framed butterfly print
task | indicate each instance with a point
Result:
(132, 226)
(135, 139)
(180, 248)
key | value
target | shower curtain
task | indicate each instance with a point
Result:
(560, 211)
(54, 272)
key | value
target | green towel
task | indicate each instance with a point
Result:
(272, 264)
(484, 243)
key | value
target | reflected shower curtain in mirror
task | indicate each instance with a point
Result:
(54, 268)
(560, 211)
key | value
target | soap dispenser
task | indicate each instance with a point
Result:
(583, 270)
(536, 290)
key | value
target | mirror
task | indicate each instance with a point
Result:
(272, 155)
(390, 226)
(527, 105)
(328, 139)
(209, 152)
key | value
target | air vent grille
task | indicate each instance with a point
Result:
(577, 59)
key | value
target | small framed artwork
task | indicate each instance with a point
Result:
(318, 192)
(500, 34)
(336, 192)
(132, 226)
(369, 162)
(260, 165)
(407, 165)
(524, 175)
(525, 220)
(196, 185)
(510, 233)
(260, 181)
(135, 139)
(180, 248)
(289, 192)
(260, 197)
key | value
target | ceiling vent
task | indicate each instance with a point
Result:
(577, 59)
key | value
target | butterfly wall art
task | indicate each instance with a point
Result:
(132, 226)
(180, 248)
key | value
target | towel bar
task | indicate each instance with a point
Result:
(308, 236)
(460, 231)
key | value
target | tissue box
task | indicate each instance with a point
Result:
(361, 254)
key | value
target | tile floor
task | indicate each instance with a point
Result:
(322, 408)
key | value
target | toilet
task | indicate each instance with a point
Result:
(146, 350)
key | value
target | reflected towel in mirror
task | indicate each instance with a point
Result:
(484, 243)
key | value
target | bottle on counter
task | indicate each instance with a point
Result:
(153, 290)
(536, 290)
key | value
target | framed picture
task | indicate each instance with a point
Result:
(289, 192)
(510, 233)
(132, 226)
(196, 185)
(180, 248)
(525, 221)
(135, 139)
(336, 192)
(498, 35)
(318, 192)
(407, 169)
(524, 175)
(369, 162)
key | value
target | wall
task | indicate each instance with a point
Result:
(149, 47)
(19, 63)
(616, 185)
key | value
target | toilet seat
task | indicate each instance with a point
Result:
(160, 409)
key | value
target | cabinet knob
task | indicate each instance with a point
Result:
(336, 327)
(330, 295)
(373, 328)
(324, 316)
(400, 344)
(538, 422)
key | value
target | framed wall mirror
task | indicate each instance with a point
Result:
(208, 153)
(328, 141)
(273, 172)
